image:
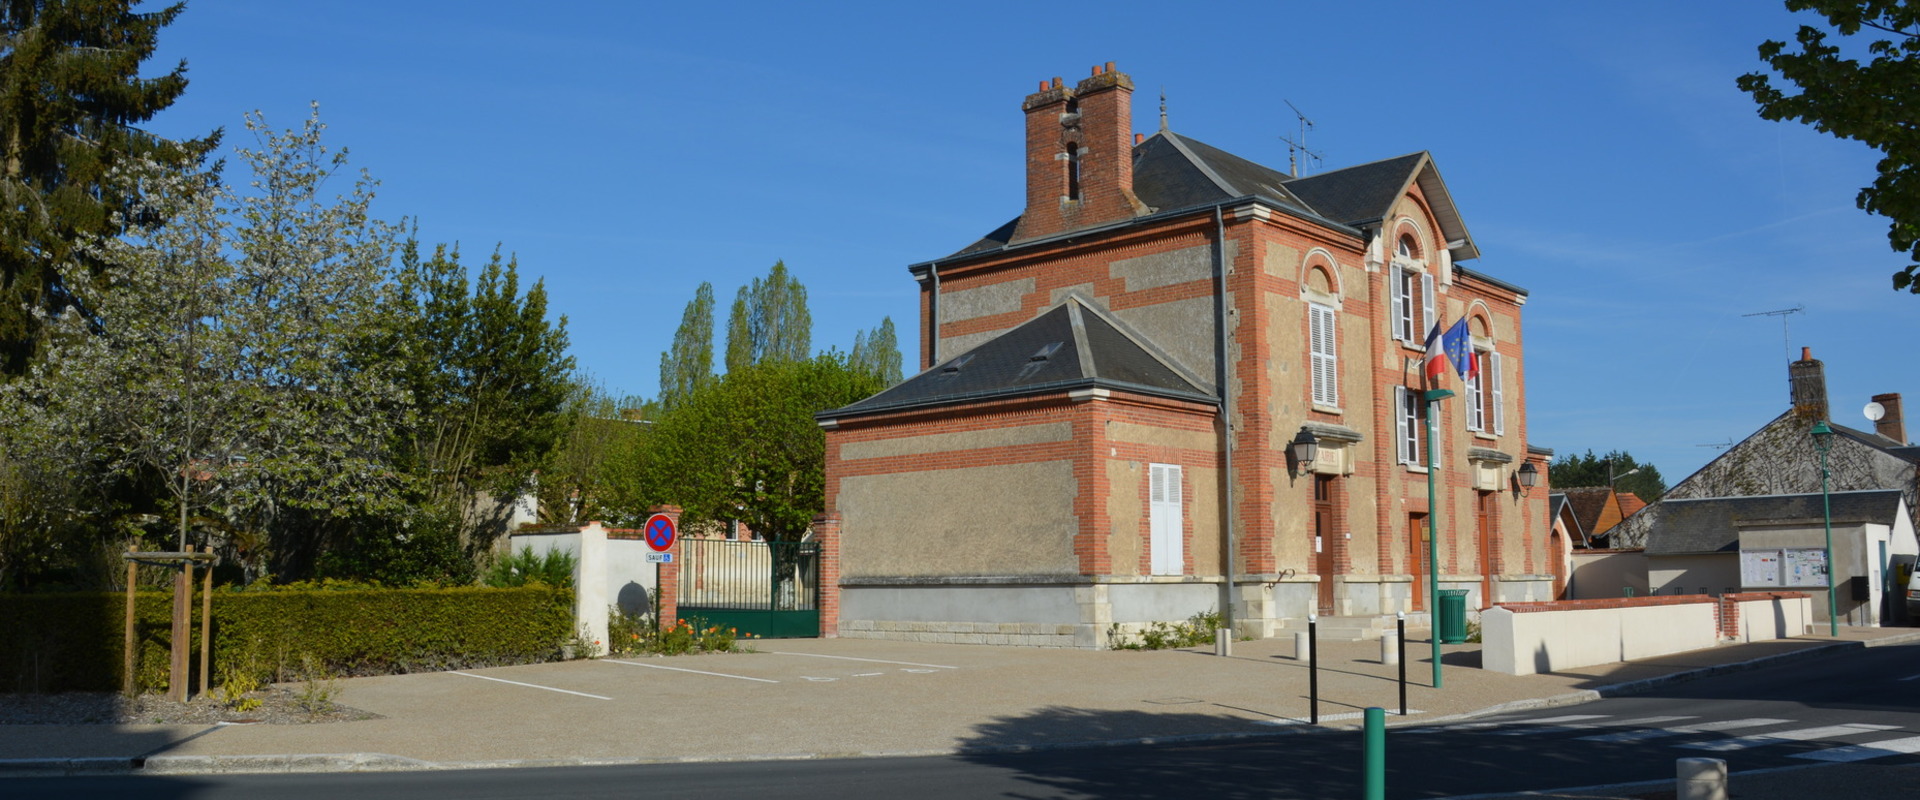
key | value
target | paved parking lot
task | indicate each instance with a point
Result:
(835, 697)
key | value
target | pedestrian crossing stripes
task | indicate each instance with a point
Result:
(1705, 727)
(1778, 737)
(1862, 752)
(1644, 729)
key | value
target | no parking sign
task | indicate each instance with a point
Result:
(660, 533)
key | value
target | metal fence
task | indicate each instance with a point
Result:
(749, 575)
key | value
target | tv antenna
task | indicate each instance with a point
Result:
(1297, 150)
(1785, 348)
(1718, 445)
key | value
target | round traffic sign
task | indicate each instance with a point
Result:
(660, 533)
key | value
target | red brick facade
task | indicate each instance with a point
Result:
(1160, 272)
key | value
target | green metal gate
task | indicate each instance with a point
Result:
(769, 589)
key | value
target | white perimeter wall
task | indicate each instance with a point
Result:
(606, 573)
(1524, 643)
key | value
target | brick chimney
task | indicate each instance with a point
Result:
(1079, 155)
(1807, 380)
(1891, 424)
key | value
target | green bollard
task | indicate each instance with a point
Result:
(1376, 780)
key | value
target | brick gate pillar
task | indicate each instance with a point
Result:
(826, 531)
(666, 596)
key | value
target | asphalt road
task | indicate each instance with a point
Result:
(1862, 706)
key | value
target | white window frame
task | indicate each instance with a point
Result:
(1476, 401)
(1324, 354)
(1409, 415)
(1166, 550)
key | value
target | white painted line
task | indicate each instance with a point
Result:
(678, 669)
(1780, 737)
(1911, 678)
(867, 674)
(1286, 721)
(528, 685)
(1540, 730)
(851, 658)
(1704, 727)
(1533, 726)
(1862, 752)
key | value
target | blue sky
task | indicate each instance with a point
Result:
(1599, 153)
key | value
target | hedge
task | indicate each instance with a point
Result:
(72, 642)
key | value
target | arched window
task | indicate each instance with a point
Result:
(1411, 290)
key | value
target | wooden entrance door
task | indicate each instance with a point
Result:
(1485, 509)
(1417, 558)
(1325, 540)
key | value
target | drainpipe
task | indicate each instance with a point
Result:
(1222, 372)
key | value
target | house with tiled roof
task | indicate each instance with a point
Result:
(1763, 499)
(1180, 382)
(1595, 510)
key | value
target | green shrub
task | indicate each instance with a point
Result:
(522, 568)
(72, 642)
(1197, 630)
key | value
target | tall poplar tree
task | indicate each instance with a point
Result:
(877, 352)
(70, 96)
(769, 321)
(688, 364)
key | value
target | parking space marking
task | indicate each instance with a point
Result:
(851, 658)
(679, 669)
(528, 685)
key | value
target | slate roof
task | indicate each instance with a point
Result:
(1709, 525)
(1069, 347)
(1173, 172)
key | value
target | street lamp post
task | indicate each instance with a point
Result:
(1433, 398)
(1823, 441)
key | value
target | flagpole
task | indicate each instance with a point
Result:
(1433, 397)
(1434, 368)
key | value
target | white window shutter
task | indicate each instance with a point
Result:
(1324, 356)
(1492, 373)
(1427, 301)
(1475, 413)
(1166, 551)
(1394, 280)
(1400, 424)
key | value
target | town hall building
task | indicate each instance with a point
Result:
(1180, 383)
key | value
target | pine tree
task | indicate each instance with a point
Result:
(70, 94)
(688, 364)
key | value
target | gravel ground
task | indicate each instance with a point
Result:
(279, 705)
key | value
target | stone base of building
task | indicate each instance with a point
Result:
(1073, 613)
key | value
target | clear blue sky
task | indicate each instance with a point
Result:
(628, 151)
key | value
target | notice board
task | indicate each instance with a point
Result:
(1806, 567)
(1760, 569)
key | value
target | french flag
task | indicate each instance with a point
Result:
(1436, 363)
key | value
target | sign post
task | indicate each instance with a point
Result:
(661, 533)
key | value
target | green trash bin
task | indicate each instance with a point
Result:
(1453, 616)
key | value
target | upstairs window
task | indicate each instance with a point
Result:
(1410, 422)
(1073, 172)
(1485, 404)
(1324, 356)
(1411, 291)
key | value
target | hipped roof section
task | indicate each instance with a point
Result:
(1173, 173)
(1069, 347)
